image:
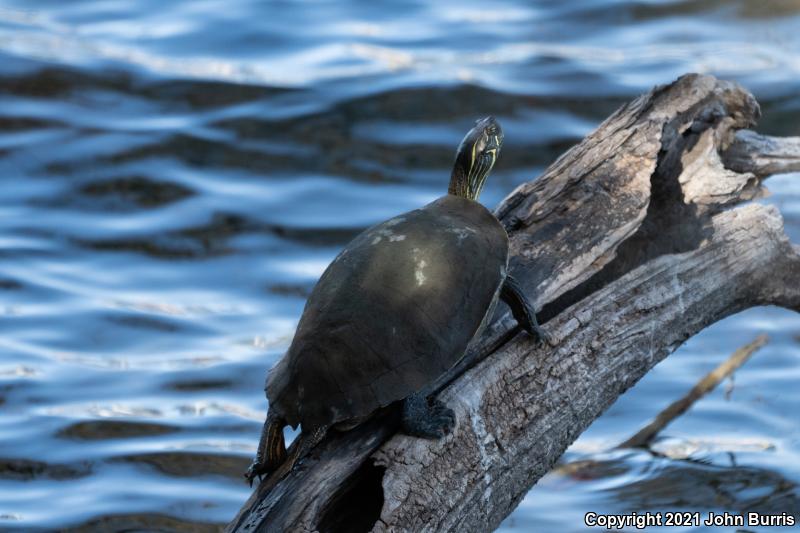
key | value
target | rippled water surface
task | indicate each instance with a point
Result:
(176, 175)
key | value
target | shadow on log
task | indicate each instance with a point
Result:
(632, 241)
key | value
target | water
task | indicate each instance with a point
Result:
(176, 175)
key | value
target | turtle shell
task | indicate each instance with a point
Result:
(393, 311)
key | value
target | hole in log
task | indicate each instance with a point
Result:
(357, 504)
(670, 226)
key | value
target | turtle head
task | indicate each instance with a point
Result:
(475, 158)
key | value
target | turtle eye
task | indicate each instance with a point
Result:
(482, 142)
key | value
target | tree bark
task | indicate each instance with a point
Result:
(632, 241)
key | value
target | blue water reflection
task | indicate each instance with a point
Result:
(176, 175)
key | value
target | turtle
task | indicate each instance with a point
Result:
(393, 312)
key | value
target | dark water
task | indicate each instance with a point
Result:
(176, 175)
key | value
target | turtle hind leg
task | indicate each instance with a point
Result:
(304, 444)
(307, 440)
(271, 451)
(522, 309)
(272, 460)
(429, 420)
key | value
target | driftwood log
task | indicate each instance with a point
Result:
(632, 241)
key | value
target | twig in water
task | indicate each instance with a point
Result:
(646, 435)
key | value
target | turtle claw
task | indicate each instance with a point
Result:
(432, 420)
(256, 470)
(536, 331)
(444, 417)
(250, 475)
(542, 336)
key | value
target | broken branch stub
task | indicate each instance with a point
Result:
(631, 242)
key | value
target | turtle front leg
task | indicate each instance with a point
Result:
(522, 309)
(429, 420)
(271, 451)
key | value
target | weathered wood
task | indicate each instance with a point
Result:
(762, 155)
(631, 242)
